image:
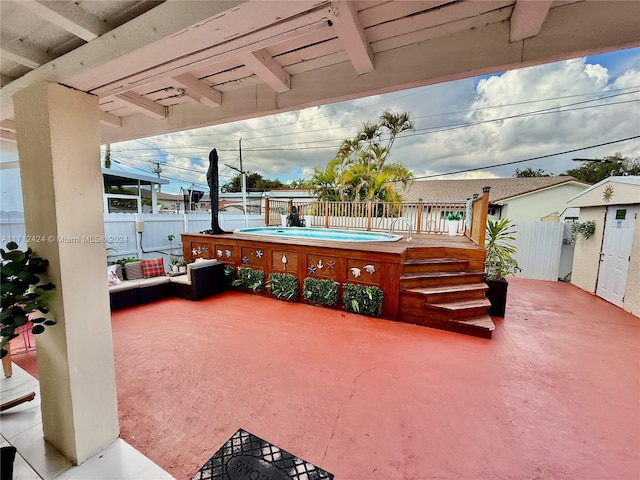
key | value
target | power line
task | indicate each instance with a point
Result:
(554, 109)
(519, 161)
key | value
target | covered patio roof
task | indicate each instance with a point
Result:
(166, 66)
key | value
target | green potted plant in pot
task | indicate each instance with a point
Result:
(499, 263)
(25, 296)
(453, 223)
(174, 260)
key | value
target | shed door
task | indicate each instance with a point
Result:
(616, 250)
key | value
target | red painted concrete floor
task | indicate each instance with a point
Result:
(554, 395)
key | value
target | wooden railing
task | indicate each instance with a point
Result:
(425, 217)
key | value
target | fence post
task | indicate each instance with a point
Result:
(419, 220)
(369, 204)
(484, 206)
(138, 239)
(267, 212)
(326, 214)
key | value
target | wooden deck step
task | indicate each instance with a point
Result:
(480, 326)
(477, 326)
(429, 279)
(441, 289)
(434, 264)
(460, 305)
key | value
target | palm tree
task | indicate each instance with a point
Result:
(359, 171)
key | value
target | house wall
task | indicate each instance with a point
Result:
(535, 205)
(632, 290)
(586, 258)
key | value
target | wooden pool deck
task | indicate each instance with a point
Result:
(432, 280)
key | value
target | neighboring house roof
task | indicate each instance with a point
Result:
(289, 193)
(501, 188)
(606, 192)
(109, 172)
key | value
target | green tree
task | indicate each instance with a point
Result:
(255, 183)
(530, 172)
(360, 171)
(601, 168)
(300, 184)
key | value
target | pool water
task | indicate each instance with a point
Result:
(321, 234)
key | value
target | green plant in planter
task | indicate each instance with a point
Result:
(586, 229)
(320, 291)
(122, 261)
(24, 293)
(454, 217)
(283, 286)
(499, 263)
(250, 279)
(229, 274)
(366, 300)
(500, 249)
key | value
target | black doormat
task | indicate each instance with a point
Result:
(247, 457)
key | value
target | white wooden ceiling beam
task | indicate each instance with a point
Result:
(143, 105)
(268, 70)
(28, 56)
(527, 18)
(9, 137)
(7, 165)
(200, 90)
(110, 120)
(68, 16)
(352, 36)
(8, 125)
(220, 53)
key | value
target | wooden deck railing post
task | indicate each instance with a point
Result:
(419, 219)
(369, 212)
(484, 206)
(267, 212)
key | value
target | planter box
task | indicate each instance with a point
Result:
(497, 295)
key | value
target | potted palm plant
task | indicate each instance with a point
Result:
(499, 263)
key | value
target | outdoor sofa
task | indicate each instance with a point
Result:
(146, 281)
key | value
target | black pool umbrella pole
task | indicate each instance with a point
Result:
(212, 180)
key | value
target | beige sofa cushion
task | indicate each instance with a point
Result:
(133, 270)
(145, 282)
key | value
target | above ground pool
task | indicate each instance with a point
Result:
(321, 234)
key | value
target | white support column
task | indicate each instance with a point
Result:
(154, 199)
(59, 147)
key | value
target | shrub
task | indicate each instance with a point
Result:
(283, 286)
(366, 300)
(250, 279)
(229, 274)
(320, 291)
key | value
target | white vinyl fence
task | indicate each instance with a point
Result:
(138, 235)
(540, 249)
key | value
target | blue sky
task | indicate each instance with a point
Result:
(478, 124)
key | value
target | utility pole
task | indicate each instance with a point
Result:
(244, 187)
(244, 184)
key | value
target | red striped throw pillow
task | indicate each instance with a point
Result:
(152, 268)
